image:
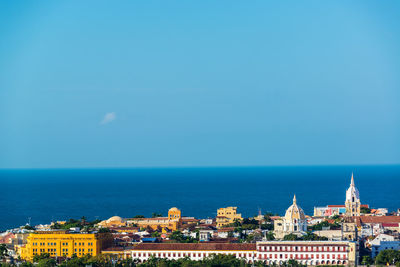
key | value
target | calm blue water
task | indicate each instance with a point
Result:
(44, 195)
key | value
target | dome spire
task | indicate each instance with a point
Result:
(352, 179)
(294, 199)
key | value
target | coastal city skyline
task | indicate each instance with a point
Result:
(170, 133)
(332, 235)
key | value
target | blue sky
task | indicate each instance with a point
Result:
(199, 83)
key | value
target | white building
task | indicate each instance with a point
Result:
(271, 252)
(383, 242)
(195, 251)
(307, 252)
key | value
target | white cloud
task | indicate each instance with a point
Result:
(109, 117)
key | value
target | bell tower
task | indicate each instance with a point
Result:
(352, 203)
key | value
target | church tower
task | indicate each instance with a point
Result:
(352, 203)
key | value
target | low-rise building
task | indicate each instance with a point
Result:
(172, 222)
(61, 243)
(308, 252)
(330, 234)
(383, 242)
(271, 252)
(195, 251)
(227, 216)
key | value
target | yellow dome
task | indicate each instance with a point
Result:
(294, 212)
(174, 209)
(115, 219)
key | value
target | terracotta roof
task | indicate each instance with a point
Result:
(343, 206)
(195, 246)
(227, 229)
(151, 219)
(377, 219)
(114, 249)
(189, 220)
(390, 224)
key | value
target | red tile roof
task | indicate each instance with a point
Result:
(377, 219)
(196, 246)
(343, 206)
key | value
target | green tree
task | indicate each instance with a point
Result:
(180, 238)
(3, 250)
(267, 226)
(42, 256)
(365, 210)
(388, 256)
(46, 263)
(104, 230)
(366, 260)
(155, 234)
(290, 237)
(26, 264)
(28, 227)
(270, 235)
(138, 216)
(311, 236)
(155, 215)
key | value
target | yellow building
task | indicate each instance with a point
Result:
(114, 221)
(227, 216)
(172, 222)
(61, 243)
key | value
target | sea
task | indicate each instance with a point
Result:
(40, 196)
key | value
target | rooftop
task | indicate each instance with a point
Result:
(195, 246)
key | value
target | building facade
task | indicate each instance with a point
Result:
(194, 251)
(294, 222)
(271, 252)
(383, 242)
(353, 203)
(308, 252)
(61, 243)
(227, 216)
(172, 222)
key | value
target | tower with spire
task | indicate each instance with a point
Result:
(294, 222)
(352, 203)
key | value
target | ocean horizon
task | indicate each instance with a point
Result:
(46, 195)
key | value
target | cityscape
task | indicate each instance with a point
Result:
(346, 234)
(183, 133)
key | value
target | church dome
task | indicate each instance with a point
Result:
(174, 209)
(115, 219)
(294, 212)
